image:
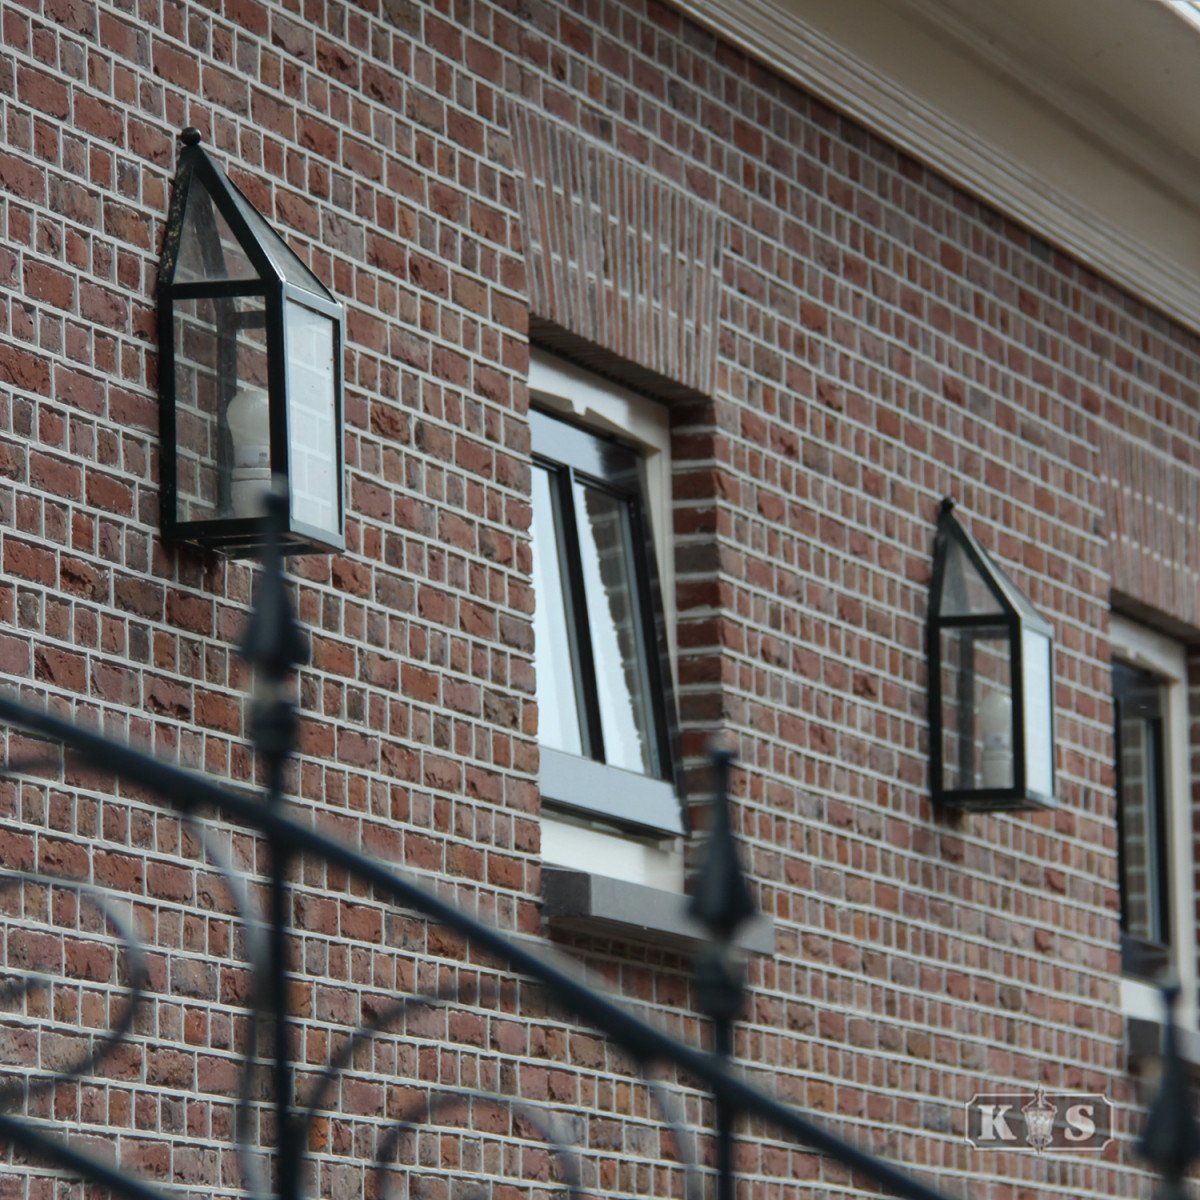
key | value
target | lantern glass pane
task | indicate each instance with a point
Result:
(220, 405)
(197, 404)
(966, 592)
(277, 250)
(246, 473)
(1038, 697)
(977, 710)
(313, 447)
(208, 251)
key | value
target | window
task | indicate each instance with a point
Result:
(603, 672)
(1139, 703)
(1154, 823)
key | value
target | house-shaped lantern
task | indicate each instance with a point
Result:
(250, 379)
(991, 682)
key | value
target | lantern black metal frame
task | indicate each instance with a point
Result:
(239, 536)
(1015, 615)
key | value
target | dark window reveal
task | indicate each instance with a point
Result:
(1141, 821)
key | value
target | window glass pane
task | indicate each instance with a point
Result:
(246, 474)
(1142, 802)
(558, 708)
(976, 679)
(605, 547)
(198, 339)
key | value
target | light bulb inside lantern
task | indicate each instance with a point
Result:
(995, 727)
(249, 419)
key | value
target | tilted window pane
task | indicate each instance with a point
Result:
(558, 707)
(277, 250)
(610, 588)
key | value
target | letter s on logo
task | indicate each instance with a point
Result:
(1080, 1125)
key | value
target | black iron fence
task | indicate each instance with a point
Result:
(274, 646)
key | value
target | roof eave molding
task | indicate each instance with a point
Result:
(871, 59)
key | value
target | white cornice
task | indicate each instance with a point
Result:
(885, 64)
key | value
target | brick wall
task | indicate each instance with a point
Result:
(881, 340)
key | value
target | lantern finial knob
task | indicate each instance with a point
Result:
(191, 136)
(947, 505)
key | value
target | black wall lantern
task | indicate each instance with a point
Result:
(250, 373)
(991, 682)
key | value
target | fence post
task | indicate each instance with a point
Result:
(1170, 1141)
(722, 903)
(274, 645)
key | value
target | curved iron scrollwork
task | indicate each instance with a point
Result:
(84, 1054)
(274, 645)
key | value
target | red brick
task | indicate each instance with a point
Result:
(37, 88)
(49, 285)
(53, 475)
(176, 64)
(106, 492)
(31, 562)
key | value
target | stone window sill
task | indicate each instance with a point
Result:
(580, 902)
(1143, 1042)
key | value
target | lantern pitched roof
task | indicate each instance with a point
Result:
(218, 236)
(969, 583)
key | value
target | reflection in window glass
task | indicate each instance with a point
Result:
(610, 591)
(558, 708)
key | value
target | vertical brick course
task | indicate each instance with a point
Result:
(621, 261)
(1150, 503)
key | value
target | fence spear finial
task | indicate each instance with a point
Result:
(722, 900)
(722, 903)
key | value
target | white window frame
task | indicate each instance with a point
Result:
(563, 389)
(587, 399)
(1149, 650)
